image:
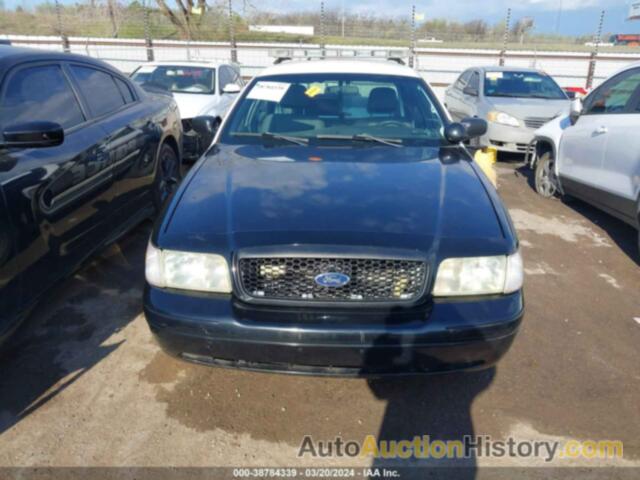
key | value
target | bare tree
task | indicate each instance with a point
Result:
(184, 20)
(112, 8)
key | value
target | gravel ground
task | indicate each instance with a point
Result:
(84, 383)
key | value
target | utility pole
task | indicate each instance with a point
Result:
(232, 35)
(342, 26)
(413, 37)
(147, 32)
(322, 39)
(63, 36)
(592, 60)
(505, 39)
(557, 29)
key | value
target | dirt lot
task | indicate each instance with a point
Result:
(85, 383)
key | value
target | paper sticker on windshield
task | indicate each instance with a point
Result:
(313, 90)
(268, 91)
(494, 75)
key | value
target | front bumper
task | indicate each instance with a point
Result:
(443, 336)
(508, 139)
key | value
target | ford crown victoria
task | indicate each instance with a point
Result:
(337, 226)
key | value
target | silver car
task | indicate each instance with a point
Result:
(594, 152)
(514, 101)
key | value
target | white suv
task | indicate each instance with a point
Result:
(199, 88)
(594, 153)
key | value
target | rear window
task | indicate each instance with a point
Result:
(521, 85)
(177, 79)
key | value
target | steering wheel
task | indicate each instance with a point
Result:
(392, 123)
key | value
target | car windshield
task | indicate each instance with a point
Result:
(521, 84)
(177, 79)
(336, 108)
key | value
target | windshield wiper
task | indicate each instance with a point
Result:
(273, 136)
(286, 138)
(363, 137)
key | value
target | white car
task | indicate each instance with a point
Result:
(199, 88)
(593, 152)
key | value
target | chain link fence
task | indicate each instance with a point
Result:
(129, 34)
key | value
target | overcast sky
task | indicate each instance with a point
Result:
(578, 17)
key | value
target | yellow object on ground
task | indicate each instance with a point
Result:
(486, 158)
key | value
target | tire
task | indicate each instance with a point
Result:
(545, 181)
(168, 175)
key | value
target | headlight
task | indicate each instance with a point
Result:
(503, 118)
(204, 272)
(479, 276)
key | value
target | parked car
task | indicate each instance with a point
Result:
(514, 101)
(339, 226)
(593, 153)
(85, 155)
(200, 89)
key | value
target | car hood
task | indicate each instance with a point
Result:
(529, 107)
(410, 198)
(194, 104)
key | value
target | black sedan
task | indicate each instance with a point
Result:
(337, 226)
(85, 155)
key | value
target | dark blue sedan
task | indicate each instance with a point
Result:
(337, 226)
(85, 155)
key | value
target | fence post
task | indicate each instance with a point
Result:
(147, 33)
(412, 47)
(322, 39)
(505, 38)
(63, 36)
(592, 58)
(232, 35)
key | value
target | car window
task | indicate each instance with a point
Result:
(124, 90)
(463, 79)
(99, 90)
(613, 96)
(521, 84)
(177, 79)
(336, 107)
(474, 81)
(40, 93)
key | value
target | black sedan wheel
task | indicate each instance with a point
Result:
(167, 175)
(545, 181)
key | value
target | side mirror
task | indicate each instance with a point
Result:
(33, 135)
(465, 130)
(575, 111)
(471, 91)
(231, 88)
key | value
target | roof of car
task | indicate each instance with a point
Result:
(378, 67)
(10, 56)
(185, 63)
(497, 68)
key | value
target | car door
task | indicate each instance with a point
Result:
(582, 148)
(619, 179)
(128, 147)
(58, 197)
(455, 97)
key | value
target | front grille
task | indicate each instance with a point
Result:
(536, 122)
(294, 279)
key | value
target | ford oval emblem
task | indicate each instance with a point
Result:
(332, 279)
